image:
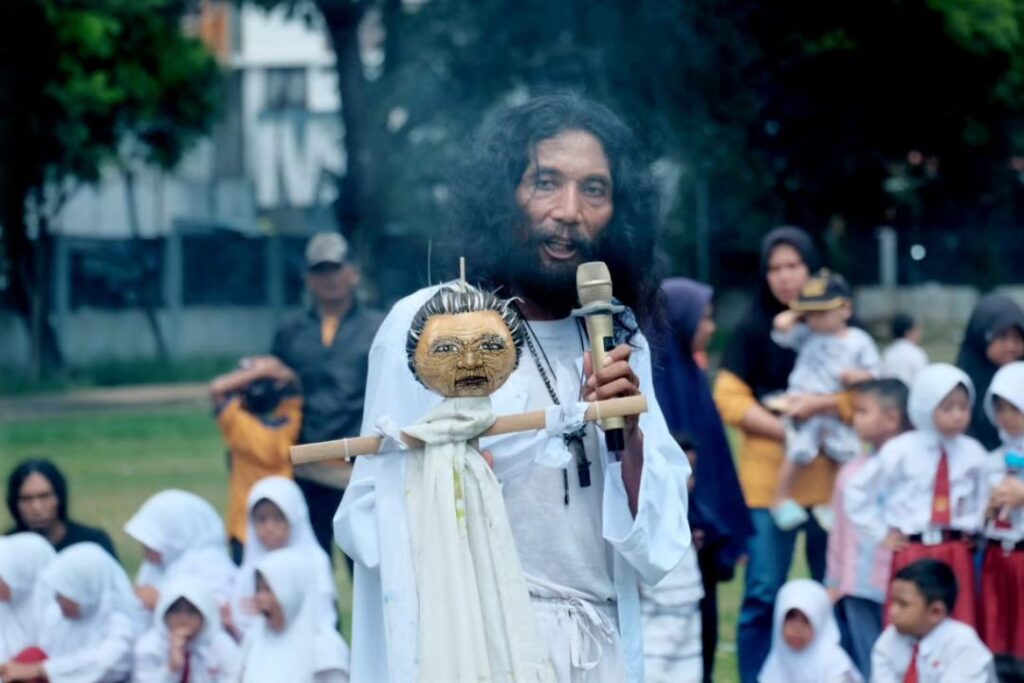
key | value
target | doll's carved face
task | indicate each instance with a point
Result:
(465, 354)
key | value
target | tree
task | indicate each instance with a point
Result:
(88, 83)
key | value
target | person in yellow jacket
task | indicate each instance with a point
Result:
(754, 369)
(259, 413)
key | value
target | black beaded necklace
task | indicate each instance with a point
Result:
(573, 440)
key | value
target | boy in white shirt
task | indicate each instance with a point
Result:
(831, 356)
(923, 644)
(904, 358)
(1002, 575)
(925, 493)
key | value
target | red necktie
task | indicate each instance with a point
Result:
(911, 675)
(940, 497)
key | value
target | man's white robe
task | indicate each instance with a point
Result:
(370, 525)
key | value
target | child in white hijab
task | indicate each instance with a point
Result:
(290, 643)
(181, 535)
(23, 598)
(277, 517)
(89, 630)
(805, 639)
(186, 643)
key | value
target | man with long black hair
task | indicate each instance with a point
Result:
(37, 498)
(548, 185)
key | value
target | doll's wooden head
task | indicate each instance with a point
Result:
(464, 342)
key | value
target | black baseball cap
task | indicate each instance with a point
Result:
(825, 291)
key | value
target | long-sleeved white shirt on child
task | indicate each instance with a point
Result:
(108, 659)
(951, 653)
(998, 473)
(894, 489)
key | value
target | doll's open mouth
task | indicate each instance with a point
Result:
(471, 382)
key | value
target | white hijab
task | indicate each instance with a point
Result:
(822, 660)
(932, 385)
(286, 495)
(304, 648)
(22, 558)
(1007, 384)
(88, 575)
(189, 535)
(202, 649)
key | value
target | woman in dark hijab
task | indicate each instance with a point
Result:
(994, 337)
(717, 509)
(753, 368)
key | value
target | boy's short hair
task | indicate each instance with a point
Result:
(900, 324)
(934, 579)
(890, 393)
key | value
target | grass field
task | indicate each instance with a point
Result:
(114, 461)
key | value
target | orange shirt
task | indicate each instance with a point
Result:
(760, 458)
(258, 450)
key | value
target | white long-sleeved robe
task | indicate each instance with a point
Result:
(370, 524)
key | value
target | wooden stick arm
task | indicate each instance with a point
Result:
(505, 424)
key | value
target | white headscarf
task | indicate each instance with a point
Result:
(203, 653)
(932, 385)
(86, 574)
(304, 647)
(22, 558)
(286, 495)
(189, 535)
(1007, 384)
(823, 660)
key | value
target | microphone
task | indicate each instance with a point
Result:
(594, 287)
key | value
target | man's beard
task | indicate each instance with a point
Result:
(549, 285)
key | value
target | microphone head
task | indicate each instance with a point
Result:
(593, 283)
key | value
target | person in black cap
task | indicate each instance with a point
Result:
(328, 346)
(831, 355)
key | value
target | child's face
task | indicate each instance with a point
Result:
(272, 527)
(797, 631)
(68, 607)
(873, 421)
(1008, 417)
(182, 616)
(915, 334)
(909, 612)
(828, 322)
(953, 415)
(268, 606)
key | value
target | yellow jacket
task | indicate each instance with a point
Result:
(761, 458)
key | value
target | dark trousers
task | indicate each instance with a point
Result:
(323, 502)
(770, 553)
(706, 557)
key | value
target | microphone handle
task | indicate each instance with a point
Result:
(601, 331)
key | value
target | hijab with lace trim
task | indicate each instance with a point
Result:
(304, 648)
(822, 660)
(23, 557)
(189, 535)
(286, 495)
(931, 386)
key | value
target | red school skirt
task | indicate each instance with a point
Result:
(958, 555)
(1001, 612)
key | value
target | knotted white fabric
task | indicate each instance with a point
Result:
(559, 422)
(476, 623)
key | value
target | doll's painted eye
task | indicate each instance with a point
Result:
(492, 346)
(444, 347)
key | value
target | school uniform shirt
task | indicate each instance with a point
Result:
(189, 535)
(856, 564)
(97, 646)
(582, 560)
(259, 448)
(304, 651)
(213, 657)
(286, 495)
(23, 557)
(1008, 384)
(894, 490)
(950, 653)
(903, 360)
(822, 660)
